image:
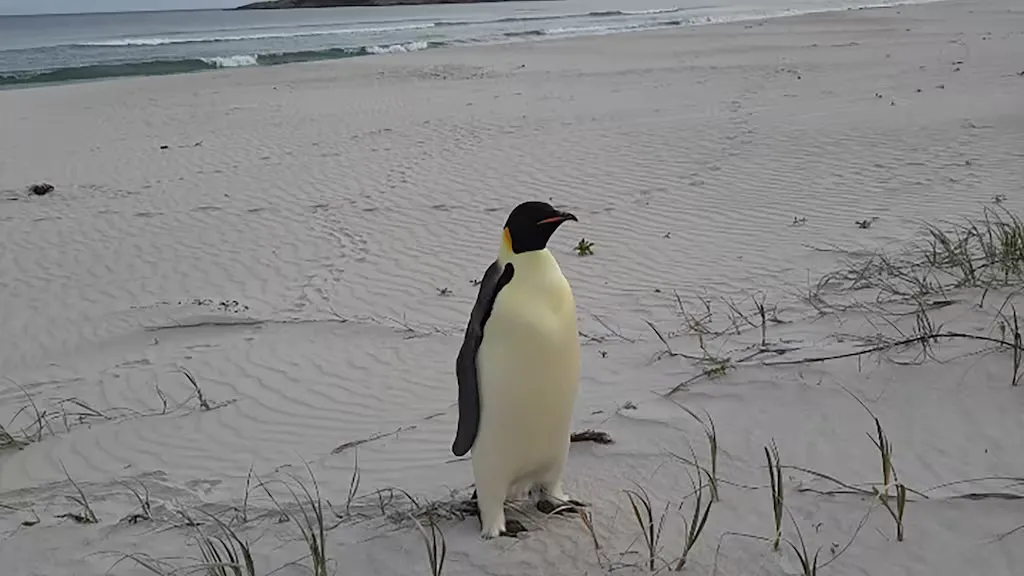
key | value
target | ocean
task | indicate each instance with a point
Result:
(66, 48)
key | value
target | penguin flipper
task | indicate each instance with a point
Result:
(494, 280)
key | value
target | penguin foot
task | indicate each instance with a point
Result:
(468, 508)
(546, 506)
(513, 528)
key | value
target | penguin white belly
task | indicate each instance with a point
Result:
(529, 364)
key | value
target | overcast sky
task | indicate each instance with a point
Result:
(58, 6)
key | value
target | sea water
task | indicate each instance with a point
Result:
(63, 48)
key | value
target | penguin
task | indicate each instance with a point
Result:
(518, 372)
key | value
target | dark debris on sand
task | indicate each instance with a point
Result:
(595, 436)
(41, 189)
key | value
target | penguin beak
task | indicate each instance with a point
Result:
(558, 218)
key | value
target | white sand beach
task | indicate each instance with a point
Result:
(302, 240)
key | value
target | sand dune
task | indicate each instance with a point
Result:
(303, 240)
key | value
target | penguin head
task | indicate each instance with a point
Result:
(531, 224)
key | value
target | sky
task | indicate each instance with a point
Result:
(66, 6)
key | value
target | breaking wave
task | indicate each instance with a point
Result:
(163, 67)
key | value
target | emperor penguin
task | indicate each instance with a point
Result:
(518, 372)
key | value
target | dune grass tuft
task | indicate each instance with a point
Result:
(1017, 348)
(434, 541)
(884, 447)
(7, 440)
(889, 479)
(712, 437)
(693, 528)
(982, 252)
(808, 563)
(353, 485)
(897, 514)
(86, 516)
(311, 524)
(41, 422)
(778, 496)
(225, 554)
(650, 529)
(204, 402)
(987, 252)
(145, 507)
(244, 512)
(588, 523)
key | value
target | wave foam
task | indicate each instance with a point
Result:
(600, 29)
(395, 48)
(232, 61)
(116, 42)
(651, 12)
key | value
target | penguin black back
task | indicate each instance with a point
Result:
(496, 277)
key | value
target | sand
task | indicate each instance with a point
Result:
(303, 240)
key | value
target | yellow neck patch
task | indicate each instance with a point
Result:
(505, 252)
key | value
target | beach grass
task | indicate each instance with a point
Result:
(7, 440)
(145, 505)
(87, 515)
(310, 520)
(984, 252)
(808, 562)
(777, 491)
(694, 527)
(434, 542)
(225, 554)
(649, 525)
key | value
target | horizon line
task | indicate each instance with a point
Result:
(109, 12)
